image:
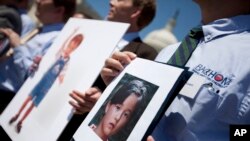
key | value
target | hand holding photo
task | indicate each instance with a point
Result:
(40, 109)
(42, 87)
(130, 103)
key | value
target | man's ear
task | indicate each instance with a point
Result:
(136, 13)
(60, 12)
(107, 107)
(60, 9)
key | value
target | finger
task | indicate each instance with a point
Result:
(123, 57)
(130, 54)
(92, 91)
(37, 59)
(87, 99)
(106, 72)
(125, 54)
(88, 105)
(150, 138)
(77, 108)
(77, 98)
(114, 64)
(94, 96)
(80, 108)
(78, 93)
(6, 31)
(81, 101)
(74, 104)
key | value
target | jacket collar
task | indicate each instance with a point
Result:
(226, 26)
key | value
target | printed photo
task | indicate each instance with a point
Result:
(40, 110)
(56, 71)
(131, 103)
(120, 112)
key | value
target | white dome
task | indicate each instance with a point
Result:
(161, 38)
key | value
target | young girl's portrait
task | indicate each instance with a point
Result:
(123, 108)
(56, 71)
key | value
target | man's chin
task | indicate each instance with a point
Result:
(110, 17)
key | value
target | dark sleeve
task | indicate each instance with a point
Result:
(147, 52)
(142, 50)
(99, 83)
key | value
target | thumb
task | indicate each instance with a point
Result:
(150, 138)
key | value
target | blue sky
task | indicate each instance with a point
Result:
(189, 15)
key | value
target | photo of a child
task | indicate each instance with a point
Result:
(56, 71)
(121, 111)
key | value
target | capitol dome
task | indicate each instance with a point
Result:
(163, 37)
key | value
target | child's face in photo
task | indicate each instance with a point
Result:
(117, 115)
(73, 44)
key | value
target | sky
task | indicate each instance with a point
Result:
(189, 15)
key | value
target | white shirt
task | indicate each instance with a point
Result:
(222, 57)
(14, 70)
(27, 23)
(126, 39)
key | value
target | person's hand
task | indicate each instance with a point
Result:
(36, 61)
(84, 102)
(150, 138)
(35, 65)
(7, 54)
(114, 65)
(12, 35)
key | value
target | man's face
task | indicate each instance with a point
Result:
(121, 10)
(45, 10)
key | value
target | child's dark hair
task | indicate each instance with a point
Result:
(133, 87)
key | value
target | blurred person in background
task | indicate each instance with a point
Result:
(14, 70)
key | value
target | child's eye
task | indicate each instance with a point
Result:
(118, 107)
(126, 115)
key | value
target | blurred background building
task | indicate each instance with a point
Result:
(84, 8)
(163, 37)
